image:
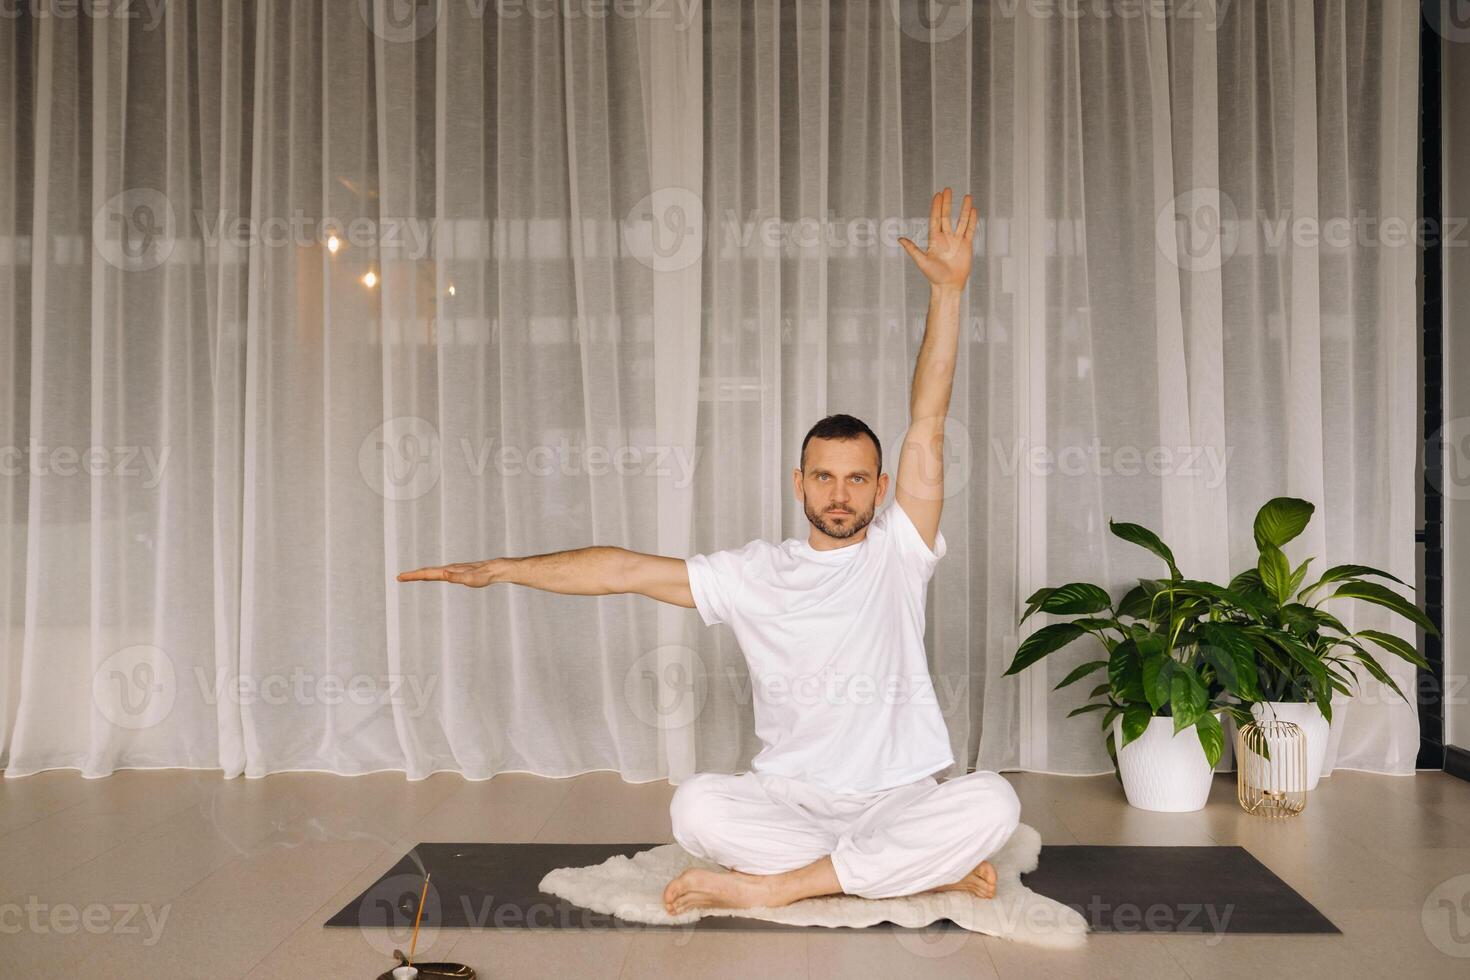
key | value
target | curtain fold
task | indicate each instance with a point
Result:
(296, 296)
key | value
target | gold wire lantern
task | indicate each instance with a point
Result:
(1271, 767)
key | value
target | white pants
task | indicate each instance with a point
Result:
(898, 841)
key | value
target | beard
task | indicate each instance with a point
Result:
(838, 528)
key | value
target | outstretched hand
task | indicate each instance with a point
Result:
(947, 260)
(475, 574)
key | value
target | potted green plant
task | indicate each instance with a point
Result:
(1166, 686)
(1182, 652)
(1303, 652)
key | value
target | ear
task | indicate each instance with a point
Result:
(882, 491)
(796, 485)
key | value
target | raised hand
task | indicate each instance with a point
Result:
(947, 260)
(475, 574)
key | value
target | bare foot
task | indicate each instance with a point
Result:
(701, 888)
(980, 882)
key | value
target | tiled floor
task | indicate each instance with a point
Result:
(185, 874)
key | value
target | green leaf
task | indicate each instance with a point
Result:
(1237, 646)
(1395, 645)
(1300, 619)
(1033, 603)
(1093, 623)
(1100, 690)
(1086, 708)
(1273, 657)
(1339, 572)
(1279, 520)
(1224, 664)
(1371, 664)
(1211, 738)
(1297, 576)
(1248, 602)
(1325, 618)
(1384, 596)
(1135, 721)
(1275, 572)
(1340, 680)
(1135, 602)
(1143, 537)
(1187, 697)
(1308, 658)
(1247, 581)
(1042, 642)
(1075, 597)
(1070, 599)
(1157, 670)
(1125, 673)
(1157, 673)
(1080, 672)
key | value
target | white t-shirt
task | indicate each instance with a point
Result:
(834, 641)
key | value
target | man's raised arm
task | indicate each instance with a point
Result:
(598, 570)
(946, 264)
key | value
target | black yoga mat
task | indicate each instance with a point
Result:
(1211, 889)
(1215, 888)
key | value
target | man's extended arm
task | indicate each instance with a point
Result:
(946, 265)
(598, 570)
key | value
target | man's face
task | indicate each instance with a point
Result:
(840, 487)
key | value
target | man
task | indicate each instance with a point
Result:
(842, 798)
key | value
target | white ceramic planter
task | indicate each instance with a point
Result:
(1308, 717)
(1161, 770)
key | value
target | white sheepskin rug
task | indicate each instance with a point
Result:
(632, 889)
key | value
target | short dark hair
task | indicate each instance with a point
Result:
(841, 427)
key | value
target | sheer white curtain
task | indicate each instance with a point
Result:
(295, 296)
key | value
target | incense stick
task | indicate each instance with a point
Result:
(413, 943)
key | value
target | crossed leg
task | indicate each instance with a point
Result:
(928, 837)
(699, 888)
